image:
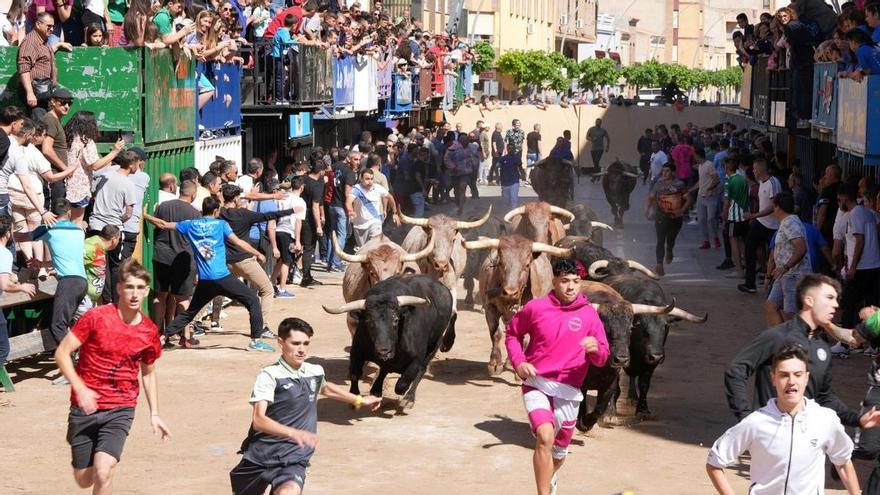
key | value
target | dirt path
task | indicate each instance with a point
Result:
(467, 433)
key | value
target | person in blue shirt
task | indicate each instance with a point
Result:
(867, 56)
(66, 242)
(281, 42)
(510, 171)
(208, 236)
(872, 18)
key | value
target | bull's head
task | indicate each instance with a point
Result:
(583, 223)
(444, 230)
(603, 268)
(650, 332)
(515, 256)
(382, 261)
(617, 317)
(539, 221)
(382, 316)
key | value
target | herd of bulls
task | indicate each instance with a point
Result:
(400, 299)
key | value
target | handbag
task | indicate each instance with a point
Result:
(42, 88)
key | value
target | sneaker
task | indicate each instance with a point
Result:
(669, 258)
(297, 278)
(745, 288)
(693, 221)
(840, 350)
(190, 343)
(735, 275)
(717, 243)
(705, 245)
(60, 381)
(283, 294)
(267, 334)
(259, 345)
(872, 351)
(553, 484)
(199, 330)
(727, 264)
(659, 269)
(216, 327)
(309, 282)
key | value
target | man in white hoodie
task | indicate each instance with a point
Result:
(788, 438)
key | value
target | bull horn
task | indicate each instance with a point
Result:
(635, 265)
(482, 243)
(356, 305)
(540, 247)
(514, 212)
(596, 306)
(595, 267)
(684, 315)
(647, 309)
(412, 301)
(844, 335)
(562, 212)
(476, 223)
(419, 222)
(600, 225)
(421, 254)
(566, 226)
(630, 174)
(348, 258)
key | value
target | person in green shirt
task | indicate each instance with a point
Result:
(117, 10)
(736, 204)
(95, 261)
(164, 21)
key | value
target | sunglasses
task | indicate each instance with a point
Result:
(50, 26)
(226, 9)
(65, 103)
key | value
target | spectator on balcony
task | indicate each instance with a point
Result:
(95, 12)
(818, 16)
(164, 21)
(80, 132)
(867, 56)
(279, 19)
(117, 10)
(853, 19)
(259, 14)
(281, 43)
(872, 19)
(762, 43)
(58, 11)
(742, 21)
(36, 65)
(12, 24)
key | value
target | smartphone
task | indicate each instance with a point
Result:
(126, 137)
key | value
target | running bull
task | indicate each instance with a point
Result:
(618, 182)
(517, 271)
(600, 262)
(402, 322)
(553, 178)
(649, 334)
(539, 221)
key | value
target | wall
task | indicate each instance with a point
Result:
(624, 124)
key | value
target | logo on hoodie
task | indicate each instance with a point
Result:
(575, 324)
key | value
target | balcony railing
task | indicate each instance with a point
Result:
(305, 78)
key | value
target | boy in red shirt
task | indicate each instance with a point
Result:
(115, 341)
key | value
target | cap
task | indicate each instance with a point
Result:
(401, 61)
(418, 136)
(392, 138)
(140, 152)
(61, 93)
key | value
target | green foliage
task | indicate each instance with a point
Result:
(655, 74)
(537, 68)
(646, 75)
(597, 72)
(485, 57)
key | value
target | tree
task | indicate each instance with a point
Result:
(485, 57)
(598, 72)
(531, 68)
(646, 75)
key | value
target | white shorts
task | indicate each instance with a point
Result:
(562, 413)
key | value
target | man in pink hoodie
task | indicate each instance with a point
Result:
(566, 337)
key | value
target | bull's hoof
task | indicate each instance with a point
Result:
(611, 421)
(645, 415)
(405, 404)
(585, 425)
(495, 369)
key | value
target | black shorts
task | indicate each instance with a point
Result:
(104, 431)
(249, 478)
(285, 242)
(178, 278)
(738, 229)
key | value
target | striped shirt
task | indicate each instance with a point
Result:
(736, 191)
(35, 57)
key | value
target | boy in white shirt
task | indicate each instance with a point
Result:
(287, 234)
(788, 438)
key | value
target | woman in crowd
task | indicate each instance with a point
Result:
(83, 158)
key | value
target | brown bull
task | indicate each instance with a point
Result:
(539, 221)
(586, 224)
(377, 260)
(446, 262)
(511, 276)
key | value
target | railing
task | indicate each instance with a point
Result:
(760, 91)
(780, 95)
(305, 78)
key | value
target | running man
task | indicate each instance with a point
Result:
(115, 342)
(207, 235)
(283, 432)
(561, 327)
(790, 431)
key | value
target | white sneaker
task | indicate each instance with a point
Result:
(553, 484)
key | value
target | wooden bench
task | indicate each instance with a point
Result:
(31, 343)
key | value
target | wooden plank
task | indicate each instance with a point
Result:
(45, 290)
(31, 343)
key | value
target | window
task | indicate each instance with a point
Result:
(675, 53)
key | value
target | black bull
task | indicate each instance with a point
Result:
(618, 182)
(402, 322)
(552, 178)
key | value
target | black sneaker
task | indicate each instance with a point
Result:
(727, 264)
(745, 288)
(308, 282)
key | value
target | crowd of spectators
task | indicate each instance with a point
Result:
(809, 31)
(775, 221)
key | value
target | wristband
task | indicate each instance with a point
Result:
(358, 401)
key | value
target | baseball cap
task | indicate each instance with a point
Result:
(141, 153)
